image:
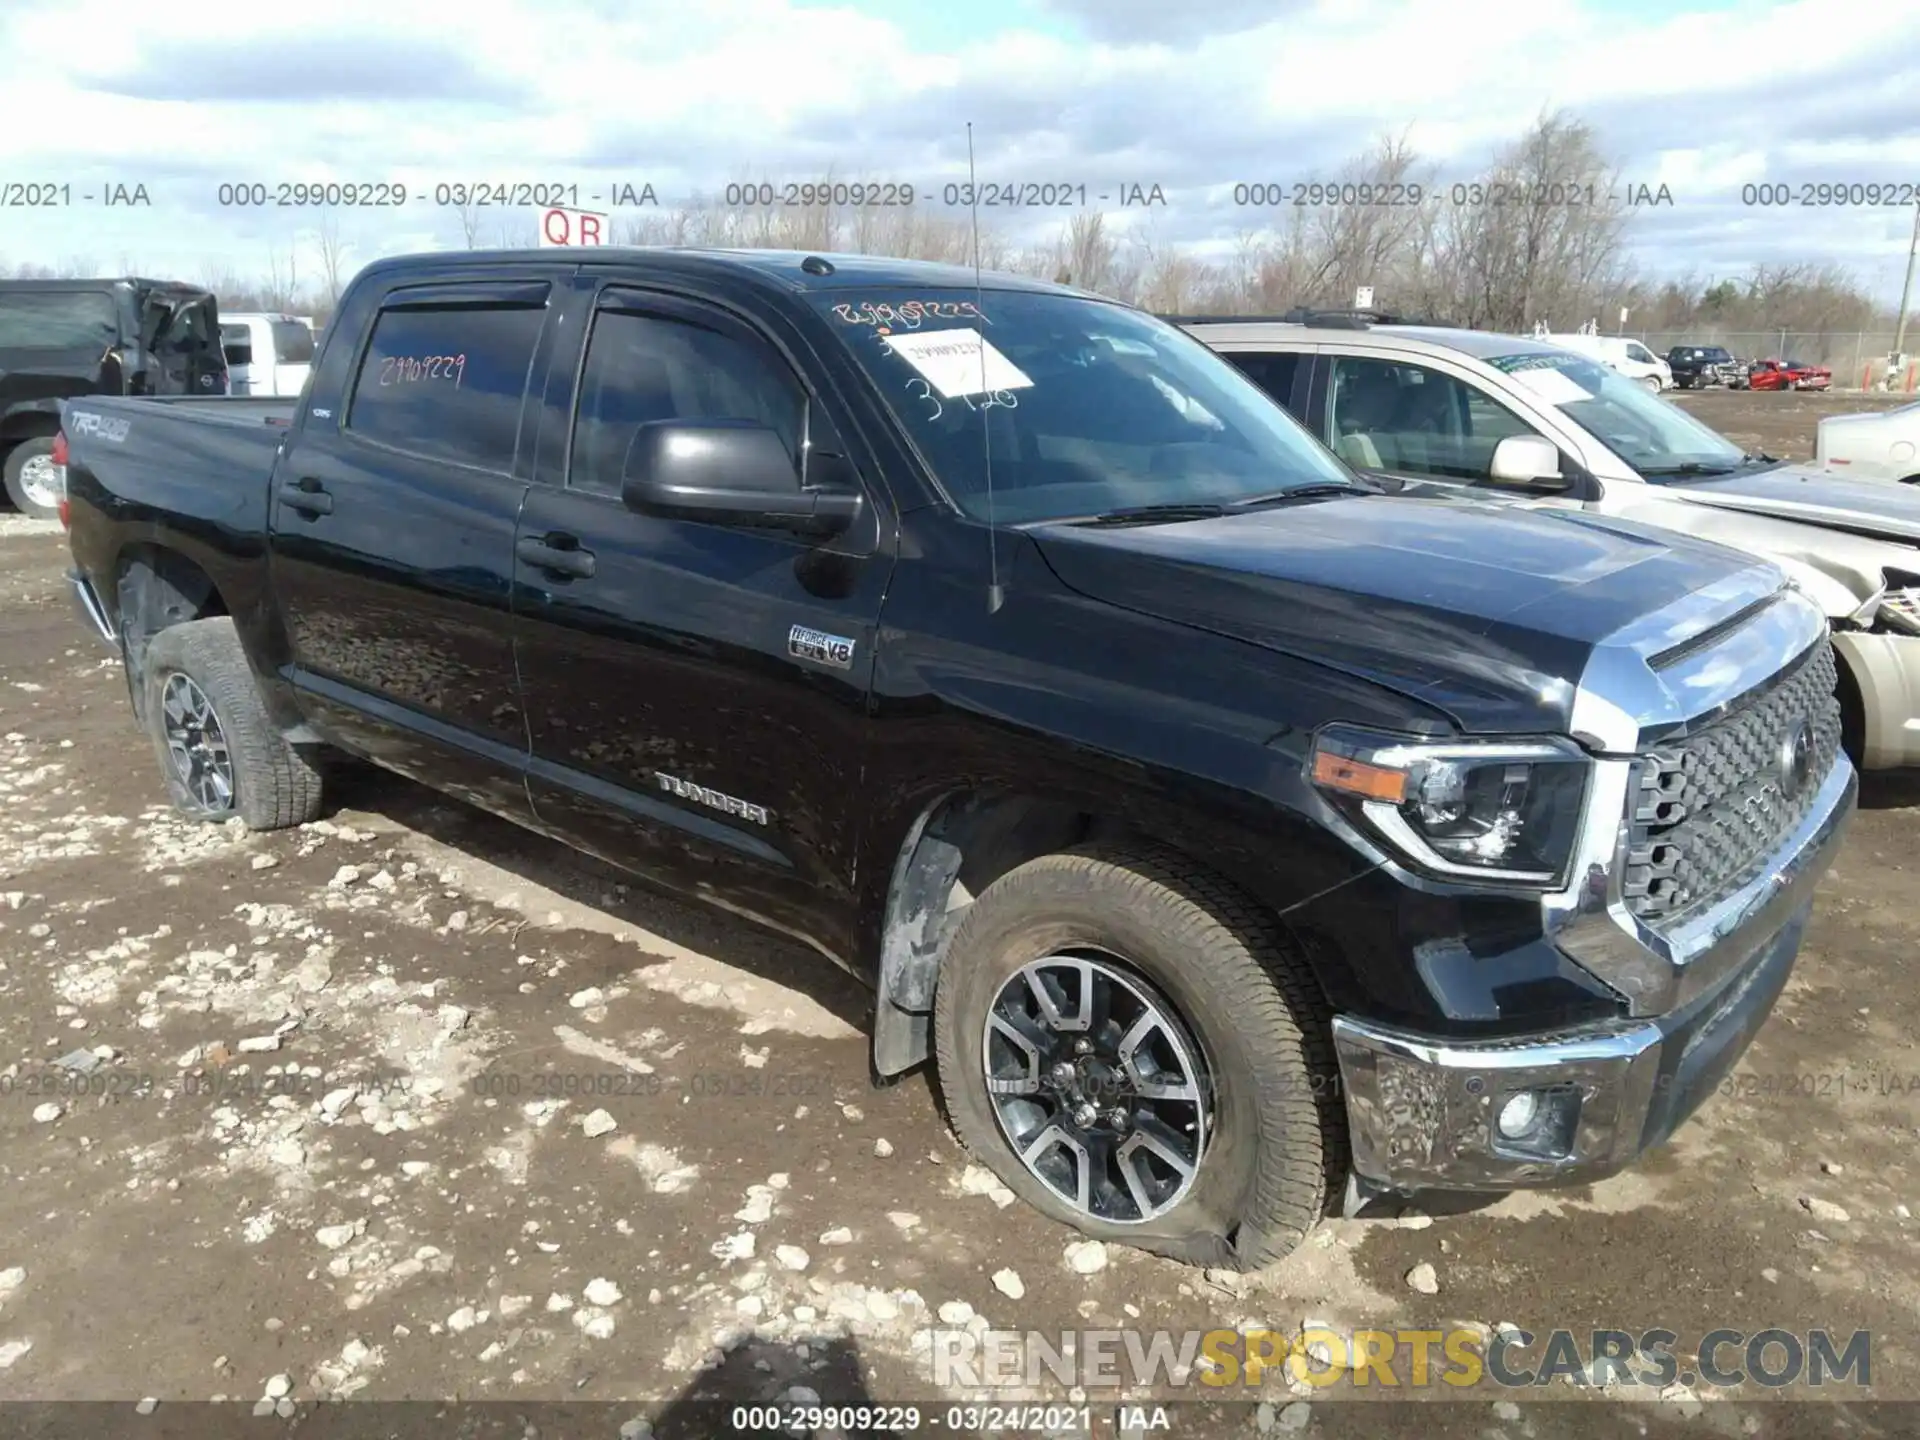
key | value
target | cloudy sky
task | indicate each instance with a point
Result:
(1704, 97)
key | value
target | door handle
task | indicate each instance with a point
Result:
(306, 497)
(556, 554)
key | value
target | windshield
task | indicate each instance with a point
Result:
(1086, 407)
(1656, 437)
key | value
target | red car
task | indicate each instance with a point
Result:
(1788, 375)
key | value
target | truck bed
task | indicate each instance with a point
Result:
(229, 409)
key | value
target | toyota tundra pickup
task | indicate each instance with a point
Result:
(1238, 841)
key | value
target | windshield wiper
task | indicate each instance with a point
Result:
(1306, 492)
(1688, 467)
(1155, 514)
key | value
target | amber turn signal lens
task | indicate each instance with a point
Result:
(1357, 777)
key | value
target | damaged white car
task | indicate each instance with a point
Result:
(1540, 425)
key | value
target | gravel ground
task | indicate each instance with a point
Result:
(408, 1104)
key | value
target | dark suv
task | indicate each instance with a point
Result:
(65, 338)
(1695, 367)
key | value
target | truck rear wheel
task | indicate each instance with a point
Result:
(29, 473)
(217, 748)
(1125, 1042)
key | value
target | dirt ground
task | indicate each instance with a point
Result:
(408, 1104)
(1780, 422)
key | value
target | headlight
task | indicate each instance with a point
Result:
(1502, 811)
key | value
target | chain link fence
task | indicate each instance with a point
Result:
(1858, 358)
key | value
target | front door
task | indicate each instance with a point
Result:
(696, 693)
(392, 539)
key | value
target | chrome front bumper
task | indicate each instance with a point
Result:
(1421, 1110)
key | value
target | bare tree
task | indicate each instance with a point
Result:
(333, 253)
(470, 218)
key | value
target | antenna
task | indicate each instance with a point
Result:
(996, 597)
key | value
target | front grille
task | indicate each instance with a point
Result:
(1706, 811)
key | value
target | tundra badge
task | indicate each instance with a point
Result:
(807, 644)
(701, 795)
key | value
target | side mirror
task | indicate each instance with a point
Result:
(727, 472)
(1527, 460)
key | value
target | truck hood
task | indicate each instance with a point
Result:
(1814, 497)
(1486, 611)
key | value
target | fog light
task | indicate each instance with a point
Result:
(1518, 1114)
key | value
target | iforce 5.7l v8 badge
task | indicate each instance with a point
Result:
(804, 643)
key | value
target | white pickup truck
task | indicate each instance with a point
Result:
(267, 354)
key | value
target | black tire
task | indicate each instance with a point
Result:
(16, 462)
(272, 785)
(1278, 1139)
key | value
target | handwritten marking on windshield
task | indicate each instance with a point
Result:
(909, 315)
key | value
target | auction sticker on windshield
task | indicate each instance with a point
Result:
(958, 362)
(1553, 386)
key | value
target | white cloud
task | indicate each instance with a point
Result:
(690, 97)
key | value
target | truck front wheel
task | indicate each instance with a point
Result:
(1123, 1039)
(217, 748)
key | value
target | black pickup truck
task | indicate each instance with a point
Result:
(1237, 838)
(1697, 367)
(60, 339)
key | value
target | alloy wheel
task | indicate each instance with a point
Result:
(196, 744)
(1098, 1086)
(37, 482)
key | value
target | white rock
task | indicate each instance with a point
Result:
(903, 1219)
(636, 1429)
(1084, 1257)
(1009, 1283)
(791, 1257)
(343, 877)
(597, 1324)
(12, 1350)
(586, 999)
(597, 1124)
(414, 1169)
(334, 1236)
(883, 1148)
(1824, 1210)
(11, 1279)
(288, 1152)
(557, 1302)
(146, 1406)
(1827, 1167)
(1296, 1417)
(734, 1247)
(465, 1318)
(334, 1101)
(512, 1305)
(354, 1354)
(263, 862)
(1903, 1212)
(258, 1044)
(1770, 1275)
(383, 880)
(602, 1292)
(955, 1312)
(278, 1387)
(839, 1235)
(759, 1206)
(1422, 1278)
(882, 1306)
(47, 1113)
(1505, 1410)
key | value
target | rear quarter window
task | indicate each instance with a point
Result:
(447, 383)
(292, 343)
(58, 320)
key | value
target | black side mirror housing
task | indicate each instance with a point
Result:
(728, 472)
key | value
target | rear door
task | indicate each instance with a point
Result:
(682, 722)
(392, 534)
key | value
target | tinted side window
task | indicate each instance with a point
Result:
(57, 320)
(447, 383)
(640, 369)
(1273, 373)
(292, 343)
(1408, 418)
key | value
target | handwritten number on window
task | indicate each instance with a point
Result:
(410, 369)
